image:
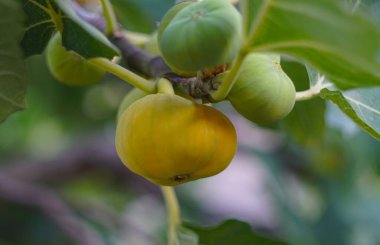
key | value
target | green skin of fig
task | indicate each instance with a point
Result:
(202, 35)
(69, 67)
(263, 92)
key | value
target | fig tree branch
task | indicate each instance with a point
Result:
(143, 63)
(89, 154)
(136, 58)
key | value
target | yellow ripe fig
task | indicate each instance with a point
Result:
(170, 140)
(69, 67)
(132, 96)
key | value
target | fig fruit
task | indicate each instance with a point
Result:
(263, 92)
(200, 35)
(170, 140)
(69, 67)
(132, 96)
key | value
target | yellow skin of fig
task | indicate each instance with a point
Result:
(263, 92)
(69, 67)
(171, 140)
(132, 96)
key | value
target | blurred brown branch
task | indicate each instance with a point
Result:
(27, 193)
(23, 181)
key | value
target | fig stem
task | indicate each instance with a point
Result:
(230, 79)
(164, 86)
(174, 216)
(110, 17)
(313, 91)
(124, 74)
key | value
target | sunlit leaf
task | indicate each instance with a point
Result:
(342, 45)
(361, 105)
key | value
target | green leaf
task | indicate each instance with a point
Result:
(44, 17)
(341, 45)
(141, 15)
(187, 236)
(12, 71)
(248, 9)
(39, 26)
(306, 123)
(372, 6)
(361, 105)
(81, 37)
(230, 232)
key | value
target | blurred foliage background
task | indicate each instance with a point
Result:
(313, 178)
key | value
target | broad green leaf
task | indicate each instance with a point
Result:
(343, 46)
(81, 37)
(141, 15)
(361, 105)
(39, 26)
(248, 9)
(44, 17)
(230, 232)
(12, 70)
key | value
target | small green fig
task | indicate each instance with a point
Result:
(263, 92)
(69, 67)
(201, 35)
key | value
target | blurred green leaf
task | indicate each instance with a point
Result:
(306, 123)
(141, 15)
(372, 6)
(39, 27)
(187, 236)
(12, 71)
(77, 32)
(361, 105)
(307, 30)
(43, 17)
(230, 232)
(249, 10)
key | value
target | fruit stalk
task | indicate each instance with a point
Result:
(230, 79)
(124, 74)
(109, 15)
(174, 216)
(313, 91)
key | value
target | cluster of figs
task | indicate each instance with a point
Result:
(170, 138)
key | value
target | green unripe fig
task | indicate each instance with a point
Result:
(69, 67)
(201, 35)
(151, 46)
(263, 92)
(132, 96)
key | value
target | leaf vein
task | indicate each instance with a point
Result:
(360, 104)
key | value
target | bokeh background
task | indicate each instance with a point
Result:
(313, 178)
